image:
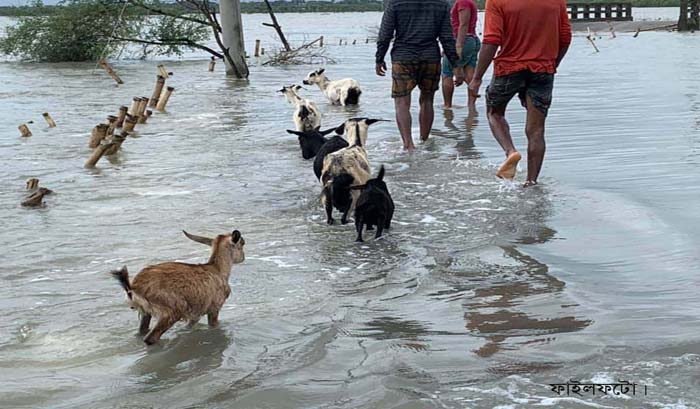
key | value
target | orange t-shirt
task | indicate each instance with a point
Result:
(530, 34)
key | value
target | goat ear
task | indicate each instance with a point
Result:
(329, 131)
(340, 130)
(235, 236)
(198, 239)
(380, 175)
(289, 131)
(321, 71)
(298, 87)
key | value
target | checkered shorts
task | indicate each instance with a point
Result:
(407, 75)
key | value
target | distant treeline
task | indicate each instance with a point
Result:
(319, 6)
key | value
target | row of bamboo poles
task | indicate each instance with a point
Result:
(106, 138)
(321, 41)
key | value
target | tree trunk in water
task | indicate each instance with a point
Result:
(232, 33)
(683, 18)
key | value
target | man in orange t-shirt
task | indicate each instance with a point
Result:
(533, 37)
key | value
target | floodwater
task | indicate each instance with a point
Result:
(481, 296)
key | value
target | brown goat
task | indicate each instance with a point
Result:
(178, 291)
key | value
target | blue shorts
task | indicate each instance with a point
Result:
(470, 52)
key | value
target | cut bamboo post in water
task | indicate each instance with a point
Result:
(164, 97)
(116, 144)
(257, 48)
(112, 124)
(24, 131)
(142, 106)
(129, 124)
(637, 33)
(121, 116)
(591, 40)
(160, 83)
(134, 109)
(612, 30)
(321, 42)
(110, 70)
(97, 155)
(212, 64)
(163, 72)
(144, 117)
(49, 120)
(354, 42)
(99, 133)
(36, 199)
(32, 184)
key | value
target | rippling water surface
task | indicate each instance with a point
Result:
(481, 295)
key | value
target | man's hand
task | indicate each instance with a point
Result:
(474, 86)
(459, 76)
(459, 51)
(381, 69)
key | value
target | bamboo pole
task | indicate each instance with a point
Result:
(97, 155)
(143, 105)
(212, 64)
(36, 199)
(24, 131)
(354, 42)
(257, 48)
(49, 120)
(121, 116)
(112, 124)
(163, 72)
(612, 30)
(591, 40)
(321, 42)
(143, 118)
(160, 83)
(116, 144)
(637, 33)
(262, 51)
(129, 123)
(110, 70)
(32, 184)
(99, 133)
(164, 97)
(134, 109)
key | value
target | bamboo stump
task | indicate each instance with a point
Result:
(160, 83)
(36, 199)
(134, 109)
(97, 155)
(257, 48)
(212, 64)
(163, 72)
(99, 133)
(164, 97)
(24, 131)
(110, 70)
(321, 42)
(122, 116)
(144, 118)
(129, 124)
(49, 120)
(32, 184)
(116, 144)
(142, 106)
(112, 124)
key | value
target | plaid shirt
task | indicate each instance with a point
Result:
(415, 26)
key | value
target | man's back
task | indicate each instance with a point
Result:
(415, 25)
(530, 33)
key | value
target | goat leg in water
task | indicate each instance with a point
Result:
(145, 324)
(344, 219)
(329, 209)
(164, 324)
(380, 227)
(359, 225)
(213, 319)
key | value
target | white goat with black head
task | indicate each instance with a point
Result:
(341, 92)
(346, 168)
(306, 115)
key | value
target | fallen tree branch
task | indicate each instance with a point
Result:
(178, 41)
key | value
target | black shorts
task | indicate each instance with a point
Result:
(536, 85)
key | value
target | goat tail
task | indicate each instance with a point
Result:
(122, 276)
(353, 97)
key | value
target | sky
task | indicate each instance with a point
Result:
(24, 2)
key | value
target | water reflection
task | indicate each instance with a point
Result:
(189, 354)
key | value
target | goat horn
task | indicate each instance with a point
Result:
(198, 239)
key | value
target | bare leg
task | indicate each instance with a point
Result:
(404, 120)
(501, 131)
(213, 319)
(164, 324)
(536, 146)
(471, 97)
(448, 90)
(427, 114)
(145, 323)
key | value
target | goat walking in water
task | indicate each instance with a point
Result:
(172, 292)
(306, 115)
(341, 92)
(375, 207)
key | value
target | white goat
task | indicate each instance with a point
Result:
(306, 115)
(341, 92)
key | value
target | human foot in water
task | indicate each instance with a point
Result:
(510, 166)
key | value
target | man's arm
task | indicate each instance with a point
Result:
(447, 39)
(493, 38)
(465, 16)
(386, 33)
(564, 34)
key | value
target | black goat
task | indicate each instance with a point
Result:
(311, 141)
(374, 207)
(333, 144)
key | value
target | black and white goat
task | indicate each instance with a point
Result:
(374, 207)
(341, 92)
(311, 142)
(306, 115)
(334, 144)
(344, 169)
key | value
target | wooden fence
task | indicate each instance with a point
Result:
(600, 12)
